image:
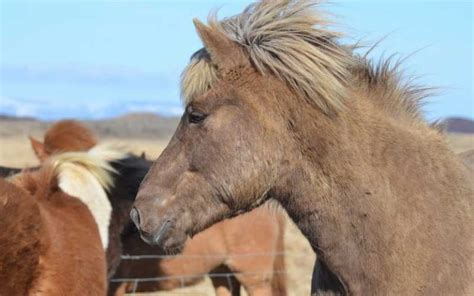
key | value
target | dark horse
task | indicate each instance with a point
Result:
(6, 172)
(277, 108)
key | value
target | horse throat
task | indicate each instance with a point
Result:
(324, 194)
(324, 236)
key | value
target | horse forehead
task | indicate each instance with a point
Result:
(222, 92)
(211, 96)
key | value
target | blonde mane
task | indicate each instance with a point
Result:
(383, 83)
(288, 39)
(87, 176)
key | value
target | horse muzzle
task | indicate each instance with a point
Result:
(151, 232)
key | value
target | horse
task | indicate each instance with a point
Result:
(8, 171)
(276, 107)
(468, 158)
(64, 136)
(257, 264)
(260, 273)
(54, 227)
(128, 171)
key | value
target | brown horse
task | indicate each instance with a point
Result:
(262, 272)
(247, 251)
(52, 223)
(468, 158)
(64, 136)
(277, 108)
(71, 136)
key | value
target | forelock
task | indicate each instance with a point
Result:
(198, 76)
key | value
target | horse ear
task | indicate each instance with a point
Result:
(39, 149)
(219, 46)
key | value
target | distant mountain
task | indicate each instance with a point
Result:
(15, 118)
(458, 125)
(136, 125)
(132, 125)
(147, 125)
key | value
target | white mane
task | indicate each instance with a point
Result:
(87, 176)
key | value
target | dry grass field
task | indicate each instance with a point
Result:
(15, 151)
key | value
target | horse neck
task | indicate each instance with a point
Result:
(350, 177)
(80, 183)
(130, 172)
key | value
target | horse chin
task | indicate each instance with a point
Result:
(173, 244)
(168, 238)
(174, 250)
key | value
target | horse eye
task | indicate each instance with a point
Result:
(196, 117)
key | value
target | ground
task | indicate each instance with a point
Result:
(15, 151)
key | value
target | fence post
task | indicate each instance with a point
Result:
(135, 286)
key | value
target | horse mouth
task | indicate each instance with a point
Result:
(159, 237)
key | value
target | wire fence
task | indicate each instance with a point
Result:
(212, 256)
(184, 279)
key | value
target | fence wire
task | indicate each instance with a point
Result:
(212, 256)
(182, 278)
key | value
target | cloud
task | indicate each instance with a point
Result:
(17, 107)
(95, 110)
(79, 74)
(155, 108)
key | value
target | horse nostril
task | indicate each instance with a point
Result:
(135, 216)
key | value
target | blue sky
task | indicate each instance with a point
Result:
(94, 59)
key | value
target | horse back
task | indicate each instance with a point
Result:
(73, 259)
(21, 229)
